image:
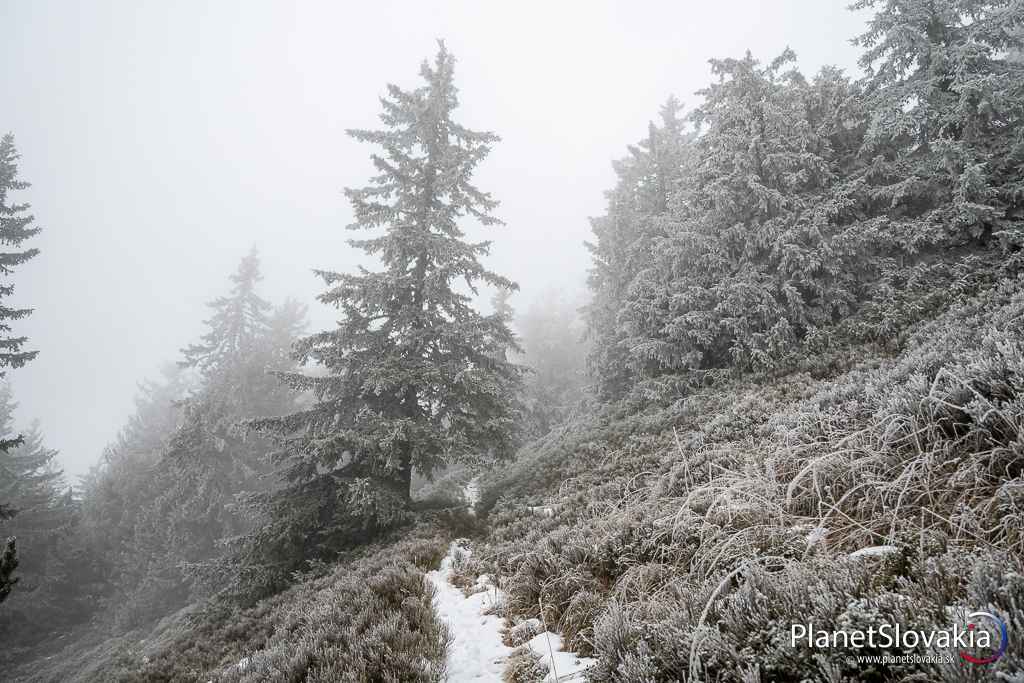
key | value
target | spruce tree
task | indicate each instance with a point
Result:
(31, 481)
(943, 147)
(412, 377)
(210, 458)
(238, 321)
(551, 331)
(28, 476)
(502, 308)
(622, 248)
(117, 491)
(940, 162)
(287, 322)
(501, 305)
(16, 226)
(758, 250)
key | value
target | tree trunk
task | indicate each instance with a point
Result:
(8, 563)
(404, 476)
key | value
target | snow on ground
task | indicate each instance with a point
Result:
(568, 666)
(542, 510)
(874, 551)
(477, 653)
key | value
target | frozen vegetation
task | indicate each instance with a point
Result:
(792, 394)
(477, 630)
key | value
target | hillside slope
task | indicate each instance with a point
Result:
(683, 541)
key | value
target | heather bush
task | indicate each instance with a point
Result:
(523, 666)
(682, 541)
(366, 618)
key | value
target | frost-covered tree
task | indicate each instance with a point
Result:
(287, 322)
(758, 250)
(501, 305)
(29, 478)
(115, 491)
(210, 459)
(16, 226)
(163, 497)
(818, 212)
(648, 178)
(554, 352)
(34, 485)
(246, 342)
(228, 347)
(412, 377)
(935, 183)
(943, 150)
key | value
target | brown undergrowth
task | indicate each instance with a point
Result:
(683, 541)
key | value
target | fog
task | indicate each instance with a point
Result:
(163, 141)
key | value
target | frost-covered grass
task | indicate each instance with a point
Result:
(369, 618)
(482, 645)
(476, 650)
(680, 539)
(680, 542)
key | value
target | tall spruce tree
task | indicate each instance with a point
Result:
(238, 321)
(29, 478)
(647, 180)
(287, 322)
(120, 486)
(31, 481)
(247, 339)
(210, 459)
(413, 377)
(943, 149)
(758, 250)
(551, 333)
(16, 226)
(502, 307)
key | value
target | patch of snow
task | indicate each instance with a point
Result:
(562, 666)
(522, 632)
(543, 510)
(874, 551)
(816, 535)
(477, 652)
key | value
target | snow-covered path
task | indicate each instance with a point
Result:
(478, 653)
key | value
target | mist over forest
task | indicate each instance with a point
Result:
(589, 341)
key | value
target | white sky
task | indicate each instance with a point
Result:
(164, 139)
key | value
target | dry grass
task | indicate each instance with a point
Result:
(684, 540)
(368, 618)
(678, 541)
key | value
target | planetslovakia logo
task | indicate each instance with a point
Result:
(984, 632)
(1004, 638)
